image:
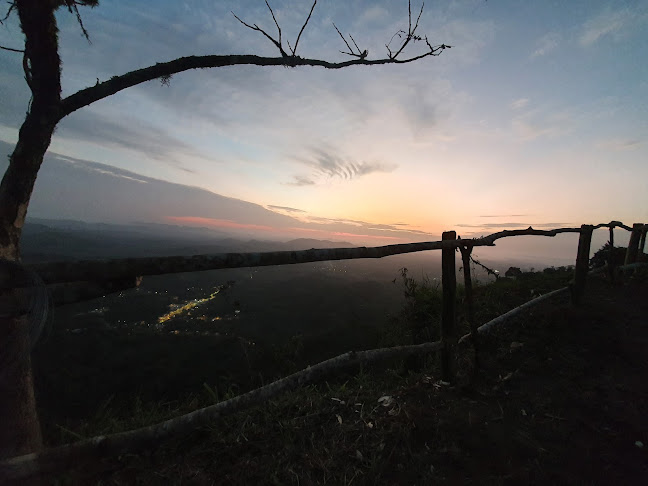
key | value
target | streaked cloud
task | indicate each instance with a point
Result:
(620, 144)
(513, 225)
(519, 103)
(606, 23)
(300, 181)
(101, 169)
(285, 208)
(219, 223)
(373, 14)
(328, 164)
(503, 215)
(546, 44)
(542, 123)
(128, 133)
(396, 227)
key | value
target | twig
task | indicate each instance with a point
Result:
(411, 33)
(489, 271)
(294, 51)
(74, 9)
(12, 5)
(259, 29)
(11, 49)
(360, 55)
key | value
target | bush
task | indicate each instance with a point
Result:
(601, 257)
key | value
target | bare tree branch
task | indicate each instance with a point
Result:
(74, 9)
(163, 70)
(12, 5)
(294, 51)
(115, 84)
(72, 455)
(10, 49)
(411, 34)
(489, 271)
(275, 20)
(345, 41)
(259, 29)
(360, 54)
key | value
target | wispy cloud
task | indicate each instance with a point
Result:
(130, 134)
(519, 103)
(535, 124)
(546, 44)
(300, 181)
(606, 23)
(101, 169)
(219, 223)
(513, 225)
(326, 163)
(286, 208)
(503, 215)
(402, 228)
(373, 14)
(619, 144)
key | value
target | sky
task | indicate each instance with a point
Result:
(537, 115)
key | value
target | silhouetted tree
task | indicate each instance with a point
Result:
(42, 68)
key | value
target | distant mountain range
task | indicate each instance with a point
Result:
(46, 240)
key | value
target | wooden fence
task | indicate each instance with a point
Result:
(76, 281)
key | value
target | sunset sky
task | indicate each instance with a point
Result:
(538, 116)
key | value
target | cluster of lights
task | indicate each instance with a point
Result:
(189, 305)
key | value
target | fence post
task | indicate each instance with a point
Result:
(633, 244)
(582, 262)
(448, 332)
(642, 243)
(474, 333)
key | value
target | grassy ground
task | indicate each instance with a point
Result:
(561, 399)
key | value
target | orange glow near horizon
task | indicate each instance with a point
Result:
(225, 223)
(218, 223)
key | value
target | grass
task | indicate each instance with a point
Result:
(562, 405)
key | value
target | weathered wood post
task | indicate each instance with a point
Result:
(642, 243)
(611, 254)
(582, 263)
(474, 334)
(633, 244)
(448, 314)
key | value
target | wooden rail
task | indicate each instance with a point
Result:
(128, 268)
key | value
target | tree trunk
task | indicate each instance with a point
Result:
(20, 433)
(21, 430)
(43, 74)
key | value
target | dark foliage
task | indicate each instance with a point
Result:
(602, 256)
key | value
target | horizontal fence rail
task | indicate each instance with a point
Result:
(124, 269)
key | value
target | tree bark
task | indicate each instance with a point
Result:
(20, 431)
(43, 75)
